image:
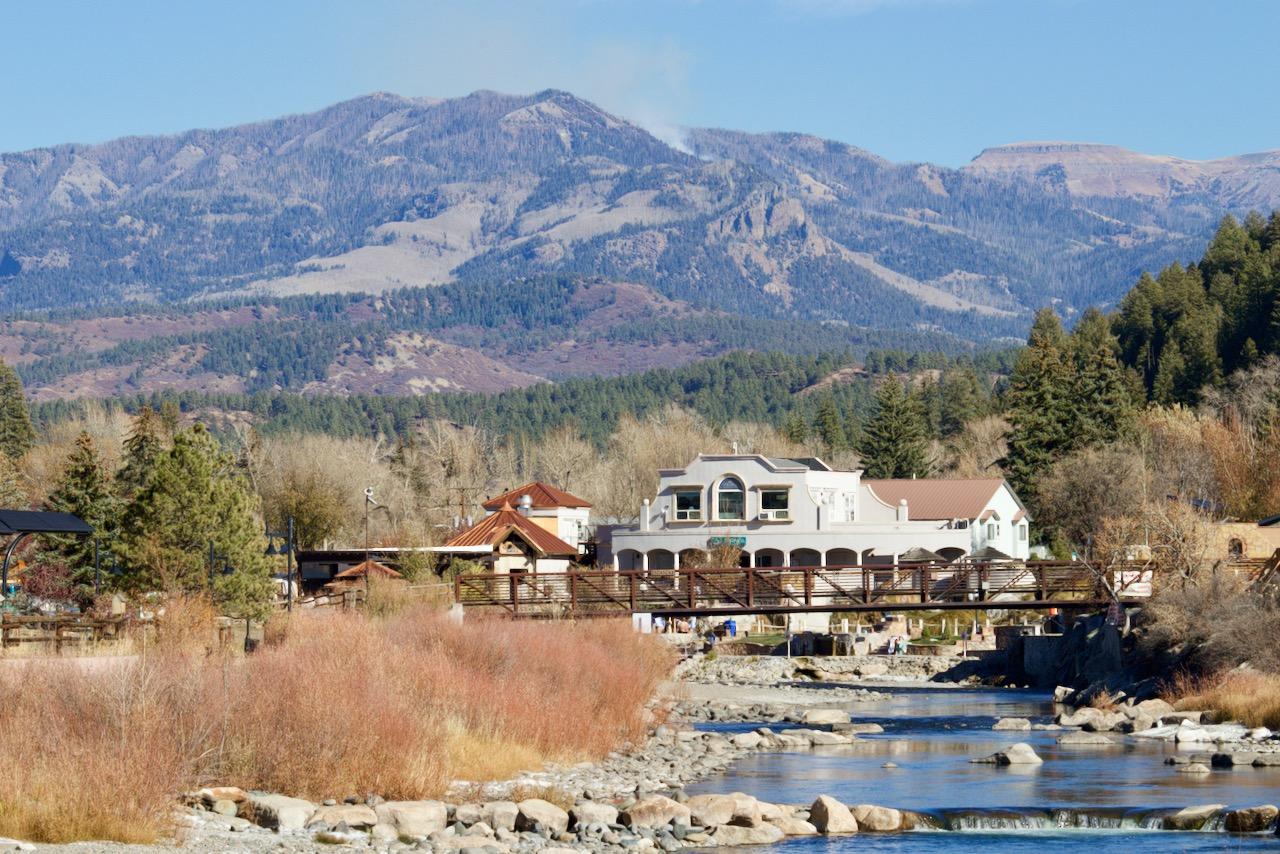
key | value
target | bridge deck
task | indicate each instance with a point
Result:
(1032, 585)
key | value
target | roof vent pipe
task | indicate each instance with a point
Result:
(644, 515)
(526, 504)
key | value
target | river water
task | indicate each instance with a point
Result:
(931, 734)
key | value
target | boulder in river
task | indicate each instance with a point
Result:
(1015, 754)
(1251, 819)
(826, 716)
(1192, 818)
(1194, 768)
(830, 816)
(1080, 737)
(875, 818)
(1014, 724)
(764, 834)
(654, 811)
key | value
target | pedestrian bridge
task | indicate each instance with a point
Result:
(1033, 585)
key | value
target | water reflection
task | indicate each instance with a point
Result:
(932, 733)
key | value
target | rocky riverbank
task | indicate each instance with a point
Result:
(774, 670)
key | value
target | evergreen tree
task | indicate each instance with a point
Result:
(894, 442)
(16, 432)
(1038, 405)
(13, 491)
(795, 428)
(964, 398)
(193, 497)
(829, 427)
(142, 447)
(1105, 401)
(84, 491)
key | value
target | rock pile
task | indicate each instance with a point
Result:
(652, 822)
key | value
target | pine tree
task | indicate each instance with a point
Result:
(894, 442)
(829, 427)
(1038, 405)
(964, 398)
(13, 490)
(84, 491)
(142, 447)
(1106, 395)
(794, 428)
(193, 497)
(16, 432)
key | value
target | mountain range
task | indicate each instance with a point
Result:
(779, 231)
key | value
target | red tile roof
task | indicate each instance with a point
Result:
(938, 498)
(495, 528)
(543, 494)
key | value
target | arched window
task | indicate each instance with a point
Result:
(731, 500)
(1235, 548)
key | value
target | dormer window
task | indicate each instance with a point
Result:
(687, 504)
(731, 500)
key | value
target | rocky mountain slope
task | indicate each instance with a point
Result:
(384, 192)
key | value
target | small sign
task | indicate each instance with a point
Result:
(736, 542)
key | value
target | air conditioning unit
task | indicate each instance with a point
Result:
(774, 515)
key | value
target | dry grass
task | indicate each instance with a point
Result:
(1249, 697)
(335, 704)
(1104, 700)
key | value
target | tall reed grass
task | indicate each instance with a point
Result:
(333, 705)
(1248, 696)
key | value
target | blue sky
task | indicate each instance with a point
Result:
(934, 80)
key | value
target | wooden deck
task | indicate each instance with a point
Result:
(1033, 585)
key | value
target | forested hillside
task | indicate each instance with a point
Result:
(385, 192)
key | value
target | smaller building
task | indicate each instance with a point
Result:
(508, 541)
(1249, 540)
(362, 573)
(558, 512)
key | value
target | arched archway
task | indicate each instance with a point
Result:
(806, 557)
(842, 557)
(1235, 547)
(661, 559)
(629, 559)
(770, 558)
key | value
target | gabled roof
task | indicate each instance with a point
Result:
(493, 529)
(369, 567)
(544, 495)
(938, 498)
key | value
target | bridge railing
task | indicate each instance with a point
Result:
(865, 586)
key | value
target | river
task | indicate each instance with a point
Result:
(930, 734)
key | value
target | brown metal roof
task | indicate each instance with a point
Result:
(493, 529)
(368, 567)
(938, 498)
(544, 495)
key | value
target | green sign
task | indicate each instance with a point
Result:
(736, 542)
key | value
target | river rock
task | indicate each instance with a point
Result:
(354, 815)
(830, 816)
(277, 812)
(500, 815)
(1265, 760)
(747, 740)
(878, 819)
(1104, 722)
(1078, 717)
(593, 812)
(793, 826)
(819, 738)
(764, 834)
(413, 818)
(711, 810)
(858, 728)
(1079, 737)
(825, 716)
(1015, 754)
(1062, 693)
(1250, 819)
(1194, 768)
(1227, 760)
(1137, 723)
(1259, 733)
(1012, 724)
(1156, 709)
(1191, 818)
(548, 816)
(223, 793)
(654, 811)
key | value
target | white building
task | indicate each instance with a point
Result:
(800, 512)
